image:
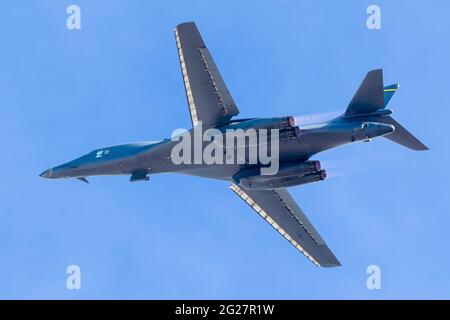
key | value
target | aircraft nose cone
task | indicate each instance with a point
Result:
(47, 174)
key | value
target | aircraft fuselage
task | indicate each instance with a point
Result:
(143, 158)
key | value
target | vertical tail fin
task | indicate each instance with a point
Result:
(370, 95)
(389, 93)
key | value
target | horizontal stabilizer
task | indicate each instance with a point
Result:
(370, 95)
(402, 136)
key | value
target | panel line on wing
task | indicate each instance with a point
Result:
(216, 81)
(241, 193)
(293, 215)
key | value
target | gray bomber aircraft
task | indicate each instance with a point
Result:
(210, 103)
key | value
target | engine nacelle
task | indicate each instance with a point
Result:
(290, 174)
(283, 123)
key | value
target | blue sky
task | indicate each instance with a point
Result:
(117, 80)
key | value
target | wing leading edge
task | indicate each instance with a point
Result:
(281, 211)
(208, 97)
